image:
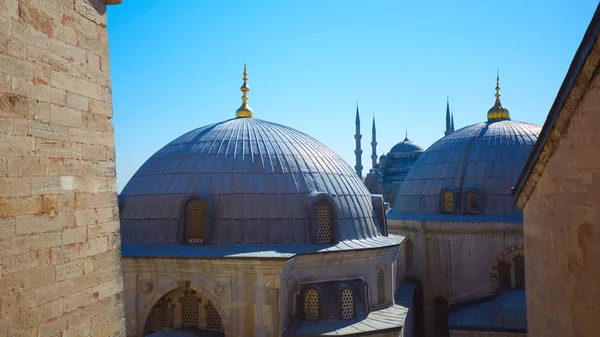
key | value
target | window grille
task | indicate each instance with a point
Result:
(381, 287)
(440, 316)
(323, 222)
(311, 304)
(189, 309)
(448, 201)
(196, 216)
(410, 255)
(519, 265)
(167, 310)
(503, 276)
(474, 202)
(347, 304)
(213, 320)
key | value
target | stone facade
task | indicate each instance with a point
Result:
(560, 204)
(462, 333)
(455, 260)
(59, 229)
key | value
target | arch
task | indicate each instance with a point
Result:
(347, 303)
(311, 301)
(160, 293)
(440, 316)
(380, 287)
(504, 283)
(213, 320)
(324, 222)
(519, 271)
(503, 257)
(189, 308)
(410, 255)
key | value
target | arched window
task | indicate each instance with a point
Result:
(213, 320)
(381, 287)
(167, 310)
(347, 304)
(196, 217)
(324, 222)
(503, 276)
(448, 201)
(440, 316)
(311, 304)
(410, 255)
(519, 264)
(474, 202)
(189, 308)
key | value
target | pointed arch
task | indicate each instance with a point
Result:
(324, 221)
(347, 303)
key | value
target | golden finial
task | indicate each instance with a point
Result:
(498, 112)
(244, 111)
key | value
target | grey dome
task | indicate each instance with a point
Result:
(487, 156)
(406, 146)
(259, 178)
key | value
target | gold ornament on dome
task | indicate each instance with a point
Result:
(244, 111)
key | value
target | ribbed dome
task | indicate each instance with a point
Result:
(487, 156)
(259, 177)
(406, 146)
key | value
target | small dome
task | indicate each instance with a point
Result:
(259, 178)
(406, 146)
(486, 156)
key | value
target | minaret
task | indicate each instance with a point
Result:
(452, 121)
(449, 128)
(358, 151)
(373, 145)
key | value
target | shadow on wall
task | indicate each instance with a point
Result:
(100, 5)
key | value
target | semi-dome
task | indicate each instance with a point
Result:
(261, 182)
(469, 172)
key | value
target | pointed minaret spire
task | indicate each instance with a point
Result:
(358, 151)
(406, 135)
(373, 145)
(452, 121)
(448, 118)
(244, 111)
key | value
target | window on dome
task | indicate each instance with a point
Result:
(410, 255)
(311, 304)
(503, 276)
(448, 201)
(324, 222)
(440, 316)
(381, 287)
(347, 304)
(474, 202)
(189, 309)
(519, 265)
(196, 214)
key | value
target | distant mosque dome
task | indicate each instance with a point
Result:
(469, 172)
(257, 182)
(405, 149)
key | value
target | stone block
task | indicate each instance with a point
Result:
(93, 10)
(53, 327)
(60, 115)
(30, 35)
(91, 137)
(13, 105)
(95, 152)
(101, 108)
(48, 131)
(15, 67)
(29, 166)
(43, 93)
(37, 18)
(76, 85)
(53, 148)
(15, 263)
(5, 83)
(46, 185)
(15, 186)
(16, 145)
(44, 313)
(77, 102)
(75, 235)
(69, 269)
(7, 227)
(27, 279)
(28, 224)
(50, 60)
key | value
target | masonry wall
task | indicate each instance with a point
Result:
(59, 241)
(562, 229)
(462, 333)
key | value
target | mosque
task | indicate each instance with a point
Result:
(386, 176)
(464, 234)
(250, 228)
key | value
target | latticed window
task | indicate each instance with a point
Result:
(519, 264)
(311, 304)
(189, 309)
(440, 316)
(474, 202)
(381, 287)
(166, 312)
(196, 217)
(448, 201)
(347, 304)
(503, 276)
(323, 222)
(410, 255)
(213, 320)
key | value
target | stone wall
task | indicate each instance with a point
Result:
(464, 333)
(562, 226)
(455, 260)
(59, 243)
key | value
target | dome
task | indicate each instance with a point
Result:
(485, 157)
(406, 146)
(259, 179)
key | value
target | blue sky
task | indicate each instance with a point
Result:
(177, 65)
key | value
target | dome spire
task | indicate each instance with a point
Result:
(406, 135)
(498, 112)
(244, 111)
